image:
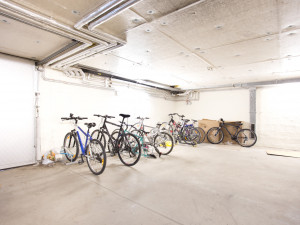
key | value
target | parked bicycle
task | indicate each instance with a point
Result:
(244, 137)
(92, 150)
(125, 144)
(183, 132)
(162, 142)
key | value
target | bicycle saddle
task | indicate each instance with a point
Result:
(186, 121)
(194, 120)
(90, 125)
(124, 115)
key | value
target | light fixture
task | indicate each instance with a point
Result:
(150, 12)
(198, 49)
(164, 23)
(219, 27)
(148, 30)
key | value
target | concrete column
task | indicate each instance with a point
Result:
(252, 93)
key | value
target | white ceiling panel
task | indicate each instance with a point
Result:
(262, 49)
(154, 9)
(289, 44)
(289, 15)
(27, 41)
(146, 45)
(216, 23)
(66, 11)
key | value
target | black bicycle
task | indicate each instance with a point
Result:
(92, 149)
(244, 137)
(125, 144)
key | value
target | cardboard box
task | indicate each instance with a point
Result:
(206, 124)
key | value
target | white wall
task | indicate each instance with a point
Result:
(59, 100)
(278, 116)
(17, 112)
(277, 109)
(230, 105)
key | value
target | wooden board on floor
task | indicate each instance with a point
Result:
(286, 153)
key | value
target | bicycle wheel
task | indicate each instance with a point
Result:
(163, 143)
(194, 135)
(137, 133)
(99, 135)
(246, 137)
(202, 135)
(71, 147)
(96, 157)
(129, 150)
(215, 135)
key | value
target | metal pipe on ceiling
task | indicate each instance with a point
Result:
(69, 53)
(96, 13)
(84, 54)
(104, 36)
(248, 85)
(107, 74)
(111, 14)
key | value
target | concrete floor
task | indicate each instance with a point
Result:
(209, 184)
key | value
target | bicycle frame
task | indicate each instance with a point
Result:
(104, 127)
(228, 124)
(87, 135)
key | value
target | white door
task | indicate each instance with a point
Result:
(17, 112)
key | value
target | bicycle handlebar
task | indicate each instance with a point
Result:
(106, 116)
(73, 118)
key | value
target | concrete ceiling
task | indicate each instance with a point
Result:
(187, 43)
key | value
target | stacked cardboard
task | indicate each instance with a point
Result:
(206, 124)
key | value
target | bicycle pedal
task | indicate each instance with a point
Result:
(80, 162)
(112, 154)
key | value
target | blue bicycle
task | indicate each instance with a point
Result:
(93, 150)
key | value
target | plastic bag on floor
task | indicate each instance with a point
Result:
(48, 158)
(47, 162)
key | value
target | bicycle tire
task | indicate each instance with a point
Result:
(202, 135)
(99, 135)
(244, 135)
(137, 133)
(212, 135)
(97, 158)
(71, 147)
(130, 147)
(165, 140)
(194, 135)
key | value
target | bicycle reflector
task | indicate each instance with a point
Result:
(168, 143)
